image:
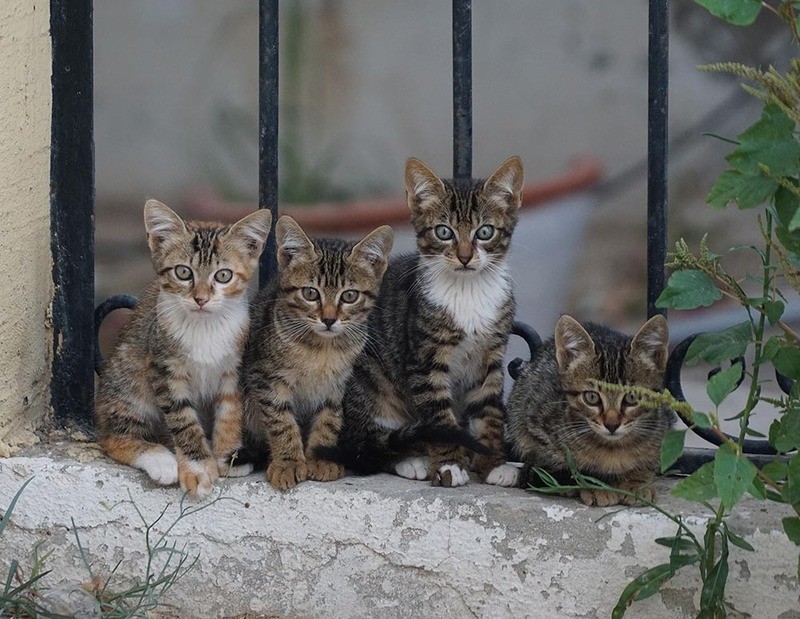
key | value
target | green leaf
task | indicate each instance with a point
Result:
(784, 433)
(713, 591)
(689, 289)
(746, 190)
(739, 541)
(787, 362)
(776, 470)
(642, 587)
(774, 310)
(757, 489)
(736, 12)
(769, 142)
(792, 527)
(772, 346)
(699, 486)
(791, 491)
(10, 508)
(701, 420)
(717, 347)
(672, 448)
(733, 475)
(721, 384)
(676, 542)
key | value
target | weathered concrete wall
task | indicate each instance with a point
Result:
(384, 547)
(25, 264)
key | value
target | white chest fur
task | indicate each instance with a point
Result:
(473, 300)
(211, 342)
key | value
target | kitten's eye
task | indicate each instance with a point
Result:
(592, 398)
(350, 296)
(223, 276)
(183, 273)
(443, 233)
(484, 233)
(310, 294)
(630, 399)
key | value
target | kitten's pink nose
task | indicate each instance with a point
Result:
(611, 426)
(201, 301)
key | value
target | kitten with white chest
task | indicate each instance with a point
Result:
(438, 335)
(168, 400)
(554, 408)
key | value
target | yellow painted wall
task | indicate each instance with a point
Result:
(25, 263)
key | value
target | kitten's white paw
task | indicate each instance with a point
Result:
(413, 468)
(459, 476)
(239, 470)
(160, 465)
(504, 475)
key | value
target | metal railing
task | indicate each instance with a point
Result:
(72, 186)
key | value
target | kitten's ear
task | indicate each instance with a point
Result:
(251, 232)
(162, 224)
(423, 187)
(505, 183)
(650, 346)
(574, 346)
(292, 242)
(373, 250)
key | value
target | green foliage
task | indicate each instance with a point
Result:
(722, 384)
(764, 173)
(737, 12)
(721, 346)
(672, 448)
(689, 290)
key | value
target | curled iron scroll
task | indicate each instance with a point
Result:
(673, 384)
(120, 301)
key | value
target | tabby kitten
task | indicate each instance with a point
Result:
(440, 329)
(168, 400)
(308, 329)
(611, 436)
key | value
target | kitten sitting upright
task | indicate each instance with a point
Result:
(611, 436)
(308, 329)
(168, 400)
(439, 333)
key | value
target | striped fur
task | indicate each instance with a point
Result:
(302, 348)
(439, 332)
(168, 400)
(552, 408)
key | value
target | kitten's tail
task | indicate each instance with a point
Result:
(376, 453)
(120, 301)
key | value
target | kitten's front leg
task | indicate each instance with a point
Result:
(287, 466)
(485, 409)
(324, 433)
(197, 468)
(430, 400)
(227, 435)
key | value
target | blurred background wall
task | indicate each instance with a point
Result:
(367, 83)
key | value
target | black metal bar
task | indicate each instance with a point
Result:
(72, 209)
(268, 128)
(658, 54)
(462, 88)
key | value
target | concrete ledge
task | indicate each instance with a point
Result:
(384, 547)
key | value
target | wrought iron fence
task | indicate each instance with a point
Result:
(72, 188)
